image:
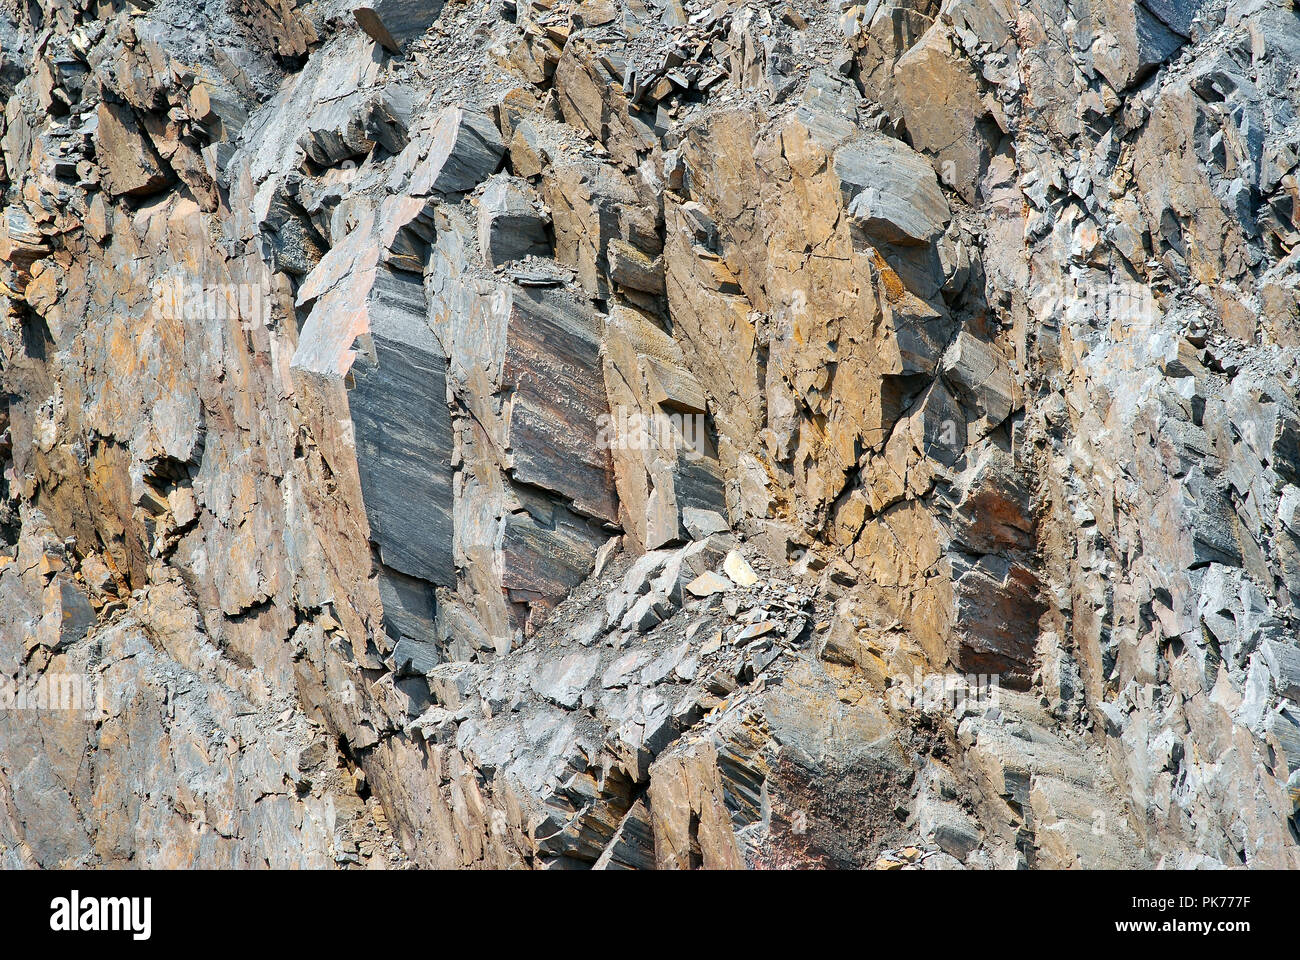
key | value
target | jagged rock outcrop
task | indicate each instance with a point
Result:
(598, 434)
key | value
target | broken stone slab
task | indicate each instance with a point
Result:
(629, 267)
(981, 379)
(403, 432)
(509, 227)
(673, 387)
(350, 126)
(21, 245)
(952, 830)
(618, 673)
(645, 568)
(1282, 660)
(589, 629)
(646, 613)
(463, 149)
(661, 450)
(940, 100)
(409, 619)
(411, 657)
(435, 725)
(707, 584)
(682, 566)
(395, 23)
(891, 191)
(76, 615)
(407, 232)
(702, 524)
(552, 364)
(1132, 41)
(1177, 15)
(754, 631)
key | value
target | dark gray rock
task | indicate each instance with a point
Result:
(403, 433)
(509, 227)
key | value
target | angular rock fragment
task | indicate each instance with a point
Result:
(131, 164)
(707, 584)
(981, 379)
(944, 111)
(631, 268)
(509, 226)
(395, 23)
(738, 570)
(462, 149)
(891, 192)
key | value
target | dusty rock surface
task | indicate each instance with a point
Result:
(581, 434)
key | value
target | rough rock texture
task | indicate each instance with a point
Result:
(569, 434)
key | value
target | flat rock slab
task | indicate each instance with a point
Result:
(707, 584)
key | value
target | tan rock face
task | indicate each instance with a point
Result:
(942, 107)
(631, 436)
(131, 164)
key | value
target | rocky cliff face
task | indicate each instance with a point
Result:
(597, 434)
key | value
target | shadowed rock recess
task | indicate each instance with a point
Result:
(650, 433)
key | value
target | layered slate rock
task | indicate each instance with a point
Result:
(369, 323)
(551, 361)
(460, 151)
(665, 452)
(535, 487)
(403, 434)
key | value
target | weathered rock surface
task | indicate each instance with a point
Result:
(597, 435)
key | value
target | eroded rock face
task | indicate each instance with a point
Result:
(590, 435)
